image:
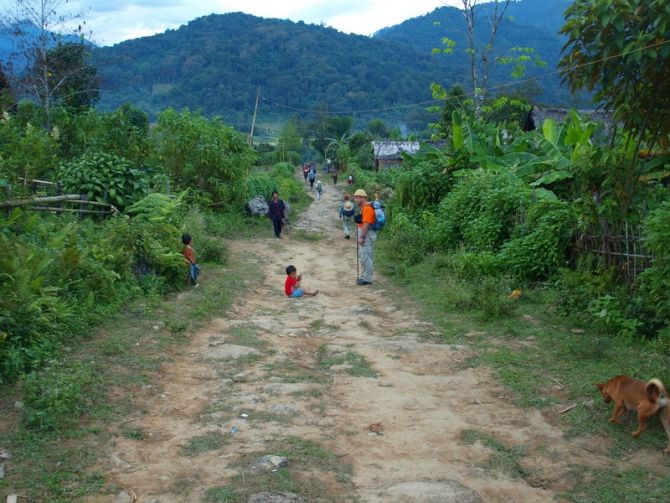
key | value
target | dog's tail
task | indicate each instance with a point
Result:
(654, 391)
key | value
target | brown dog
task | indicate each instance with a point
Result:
(632, 394)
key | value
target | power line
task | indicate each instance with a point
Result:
(472, 94)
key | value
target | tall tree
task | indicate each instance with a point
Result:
(38, 26)
(622, 49)
(483, 57)
(72, 76)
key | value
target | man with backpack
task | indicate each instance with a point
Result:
(347, 210)
(312, 177)
(366, 236)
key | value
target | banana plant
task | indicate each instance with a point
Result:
(560, 146)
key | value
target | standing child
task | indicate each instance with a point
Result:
(347, 211)
(187, 252)
(292, 284)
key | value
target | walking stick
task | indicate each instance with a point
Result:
(357, 273)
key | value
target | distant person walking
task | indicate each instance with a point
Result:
(319, 190)
(347, 210)
(366, 236)
(277, 213)
(334, 176)
(312, 177)
(305, 171)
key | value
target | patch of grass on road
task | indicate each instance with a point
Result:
(357, 365)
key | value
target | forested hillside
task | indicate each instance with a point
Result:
(528, 23)
(217, 63)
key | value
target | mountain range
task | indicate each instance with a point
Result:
(218, 62)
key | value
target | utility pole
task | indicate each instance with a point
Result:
(253, 122)
(251, 139)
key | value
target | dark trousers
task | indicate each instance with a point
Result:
(277, 226)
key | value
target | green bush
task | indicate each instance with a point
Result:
(261, 184)
(60, 393)
(481, 212)
(104, 178)
(422, 187)
(655, 280)
(541, 248)
(577, 289)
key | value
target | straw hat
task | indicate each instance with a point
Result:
(348, 205)
(360, 193)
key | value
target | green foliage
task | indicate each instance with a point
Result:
(60, 393)
(208, 248)
(619, 49)
(205, 154)
(656, 279)
(539, 247)
(104, 178)
(481, 212)
(422, 187)
(26, 150)
(577, 289)
(153, 236)
(72, 76)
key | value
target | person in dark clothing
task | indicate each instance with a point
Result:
(277, 213)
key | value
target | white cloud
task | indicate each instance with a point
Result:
(113, 22)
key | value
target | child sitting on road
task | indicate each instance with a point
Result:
(292, 284)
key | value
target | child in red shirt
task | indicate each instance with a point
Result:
(188, 254)
(292, 284)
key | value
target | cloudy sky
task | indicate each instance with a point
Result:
(113, 21)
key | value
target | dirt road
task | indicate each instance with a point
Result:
(344, 371)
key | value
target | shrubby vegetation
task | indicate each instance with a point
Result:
(60, 273)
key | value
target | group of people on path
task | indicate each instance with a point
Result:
(365, 235)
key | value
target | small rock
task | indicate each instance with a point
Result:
(217, 342)
(239, 378)
(123, 498)
(276, 379)
(146, 386)
(156, 327)
(269, 463)
(116, 459)
(578, 331)
(284, 410)
(344, 366)
(163, 478)
(18, 405)
(590, 404)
